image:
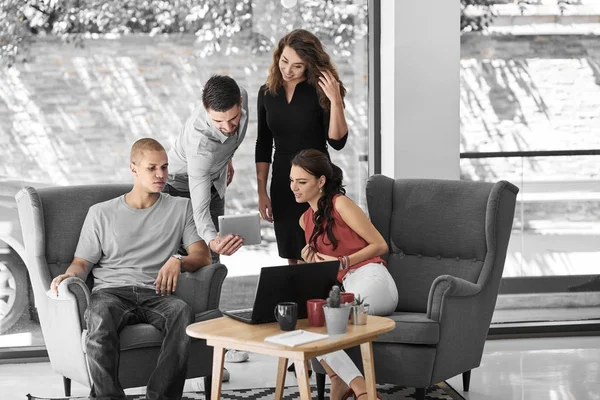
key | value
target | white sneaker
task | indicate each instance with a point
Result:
(235, 356)
(226, 375)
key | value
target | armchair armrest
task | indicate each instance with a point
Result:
(62, 323)
(75, 290)
(448, 286)
(201, 289)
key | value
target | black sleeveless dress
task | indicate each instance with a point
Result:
(301, 124)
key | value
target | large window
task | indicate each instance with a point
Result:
(530, 92)
(71, 112)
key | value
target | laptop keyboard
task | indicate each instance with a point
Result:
(246, 313)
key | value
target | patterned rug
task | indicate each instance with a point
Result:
(441, 391)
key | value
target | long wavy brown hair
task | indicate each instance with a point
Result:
(311, 51)
(318, 164)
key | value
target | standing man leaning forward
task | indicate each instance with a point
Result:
(201, 158)
(130, 245)
(201, 166)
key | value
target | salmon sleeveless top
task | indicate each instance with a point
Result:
(349, 242)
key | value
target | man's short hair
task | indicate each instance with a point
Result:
(221, 93)
(142, 145)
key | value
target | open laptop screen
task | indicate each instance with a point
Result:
(297, 283)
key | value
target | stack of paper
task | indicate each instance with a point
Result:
(295, 338)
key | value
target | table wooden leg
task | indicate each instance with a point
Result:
(302, 375)
(217, 373)
(369, 369)
(281, 372)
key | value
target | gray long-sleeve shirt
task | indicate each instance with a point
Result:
(198, 160)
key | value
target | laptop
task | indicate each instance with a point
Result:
(298, 283)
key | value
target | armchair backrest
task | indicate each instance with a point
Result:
(51, 221)
(440, 227)
(58, 213)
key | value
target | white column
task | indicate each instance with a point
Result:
(420, 89)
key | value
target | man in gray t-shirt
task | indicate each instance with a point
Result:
(130, 246)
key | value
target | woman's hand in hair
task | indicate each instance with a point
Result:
(331, 87)
(308, 254)
(320, 257)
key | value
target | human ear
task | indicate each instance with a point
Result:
(321, 181)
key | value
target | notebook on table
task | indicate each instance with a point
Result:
(295, 338)
(297, 283)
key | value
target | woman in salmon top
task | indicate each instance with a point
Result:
(337, 229)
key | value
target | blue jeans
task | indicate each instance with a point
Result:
(109, 311)
(217, 208)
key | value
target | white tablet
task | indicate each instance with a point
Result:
(245, 225)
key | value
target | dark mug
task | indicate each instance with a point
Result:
(287, 315)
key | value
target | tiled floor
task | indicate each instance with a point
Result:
(515, 369)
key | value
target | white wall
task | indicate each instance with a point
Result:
(420, 88)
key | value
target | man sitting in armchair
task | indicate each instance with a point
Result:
(130, 245)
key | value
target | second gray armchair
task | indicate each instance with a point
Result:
(447, 246)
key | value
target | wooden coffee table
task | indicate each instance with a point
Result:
(227, 333)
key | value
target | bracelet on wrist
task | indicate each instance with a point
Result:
(344, 262)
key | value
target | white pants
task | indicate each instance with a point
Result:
(374, 284)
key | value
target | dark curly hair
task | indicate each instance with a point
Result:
(318, 164)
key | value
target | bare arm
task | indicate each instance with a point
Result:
(358, 221)
(79, 268)
(198, 257)
(308, 254)
(338, 126)
(264, 202)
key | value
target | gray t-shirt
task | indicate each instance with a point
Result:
(128, 245)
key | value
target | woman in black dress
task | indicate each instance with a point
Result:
(301, 106)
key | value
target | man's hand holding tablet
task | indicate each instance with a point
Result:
(227, 245)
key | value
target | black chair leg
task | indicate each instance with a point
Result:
(207, 387)
(420, 393)
(320, 386)
(466, 380)
(67, 386)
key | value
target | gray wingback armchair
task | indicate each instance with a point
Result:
(51, 220)
(447, 245)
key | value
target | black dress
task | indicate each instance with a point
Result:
(301, 124)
